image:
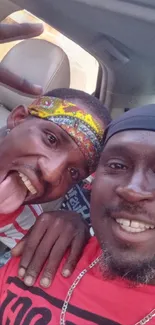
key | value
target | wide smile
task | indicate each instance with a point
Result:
(133, 226)
(132, 230)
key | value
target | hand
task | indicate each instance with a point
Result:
(49, 239)
(8, 33)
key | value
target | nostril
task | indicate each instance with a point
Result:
(133, 194)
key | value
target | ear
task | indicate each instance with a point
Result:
(17, 116)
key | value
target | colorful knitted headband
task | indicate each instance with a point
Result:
(84, 129)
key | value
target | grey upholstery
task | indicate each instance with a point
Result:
(38, 61)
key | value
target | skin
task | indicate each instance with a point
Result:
(49, 157)
(11, 32)
(56, 165)
(125, 188)
(52, 235)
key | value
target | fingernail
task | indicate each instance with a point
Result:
(45, 282)
(66, 273)
(21, 272)
(39, 25)
(38, 89)
(28, 280)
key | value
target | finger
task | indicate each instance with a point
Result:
(12, 80)
(30, 246)
(54, 260)
(41, 254)
(19, 248)
(10, 32)
(76, 251)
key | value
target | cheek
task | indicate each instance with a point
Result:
(103, 190)
(58, 191)
(29, 141)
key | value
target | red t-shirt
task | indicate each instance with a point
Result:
(94, 301)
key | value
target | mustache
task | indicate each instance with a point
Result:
(27, 166)
(126, 207)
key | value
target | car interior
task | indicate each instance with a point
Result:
(24, 59)
(117, 34)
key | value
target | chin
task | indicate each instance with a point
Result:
(128, 265)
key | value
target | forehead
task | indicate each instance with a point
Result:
(135, 142)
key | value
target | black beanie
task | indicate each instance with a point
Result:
(141, 118)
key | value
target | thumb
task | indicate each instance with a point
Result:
(18, 249)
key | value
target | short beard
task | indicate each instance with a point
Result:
(143, 272)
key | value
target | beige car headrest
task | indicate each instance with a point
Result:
(40, 62)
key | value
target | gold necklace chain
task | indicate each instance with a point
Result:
(143, 321)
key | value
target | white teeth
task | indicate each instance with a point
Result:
(27, 183)
(124, 222)
(133, 226)
(130, 229)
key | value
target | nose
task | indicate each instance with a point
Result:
(136, 190)
(52, 170)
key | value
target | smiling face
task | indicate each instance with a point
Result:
(123, 205)
(39, 162)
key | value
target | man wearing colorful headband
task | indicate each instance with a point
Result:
(46, 149)
(114, 281)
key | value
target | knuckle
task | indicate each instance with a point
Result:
(32, 271)
(71, 229)
(44, 217)
(47, 217)
(49, 272)
(58, 223)
(71, 263)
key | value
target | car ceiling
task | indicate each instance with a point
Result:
(119, 33)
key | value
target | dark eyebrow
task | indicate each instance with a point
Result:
(125, 151)
(117, 149)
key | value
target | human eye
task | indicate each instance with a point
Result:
(51, 138)
(117, 166)
(74, 173)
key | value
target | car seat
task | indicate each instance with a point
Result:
(38, 61)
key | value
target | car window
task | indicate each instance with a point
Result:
(84, 67)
